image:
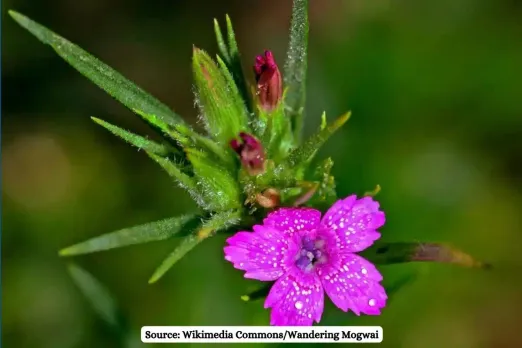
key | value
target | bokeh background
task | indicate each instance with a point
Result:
(436, 94)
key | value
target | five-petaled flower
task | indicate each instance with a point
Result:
(308, 255)
(269, 81)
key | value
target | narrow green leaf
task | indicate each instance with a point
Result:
(149, 232)
(223, 49)
(98, 296)
(235, 67)
(101, 74)
(306, 152)
(219, 187)
(296, 65)
(224, 112)
(323, 121)
(134, 139)
(187, 244)
(382, 253)
(182, 134)
(232, 43)
(154, 121)
(217, 222)
(193, 140)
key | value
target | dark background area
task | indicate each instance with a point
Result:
(435, 90)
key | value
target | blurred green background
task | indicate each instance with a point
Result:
(435, 90)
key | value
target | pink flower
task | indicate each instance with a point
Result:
(269, 82)
(307, 255)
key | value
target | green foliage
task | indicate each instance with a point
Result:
(276, 132)
(229, 53)
(222, 107)
(207, 228)
(133, 139)
(220, 189)
(149, 232)
(103, 303)
(101, 74)
(97, 295)
(296, 65)
(304, 154)
(382, 253)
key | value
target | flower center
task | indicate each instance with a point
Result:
(311, 254)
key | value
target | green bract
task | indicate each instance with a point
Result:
(207, 167)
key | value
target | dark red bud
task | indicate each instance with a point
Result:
(269, 81)
(251, 153)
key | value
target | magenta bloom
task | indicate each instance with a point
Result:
(308, 255)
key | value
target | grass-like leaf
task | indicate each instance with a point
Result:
(149, 232)
(98, 296)
(306, 152)
(217, 222)
(235, 66)
(193, 140)
(229, 52)
(222, 45)
(296, 65)
(134, 139)
(101, 74)
(185, 137)
(382, 253)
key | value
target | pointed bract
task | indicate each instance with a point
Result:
(223, 109)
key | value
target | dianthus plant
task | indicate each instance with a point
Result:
(255, 178)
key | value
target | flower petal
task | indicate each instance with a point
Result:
(354, 222)
(352, 283)
(264, 254)
(290, 220)
(296, 299)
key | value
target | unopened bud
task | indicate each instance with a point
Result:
(269, 198)
(251, 153)
(269, 81)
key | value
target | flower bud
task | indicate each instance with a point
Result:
(269, 82)
(251, 153)
(269, 198)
